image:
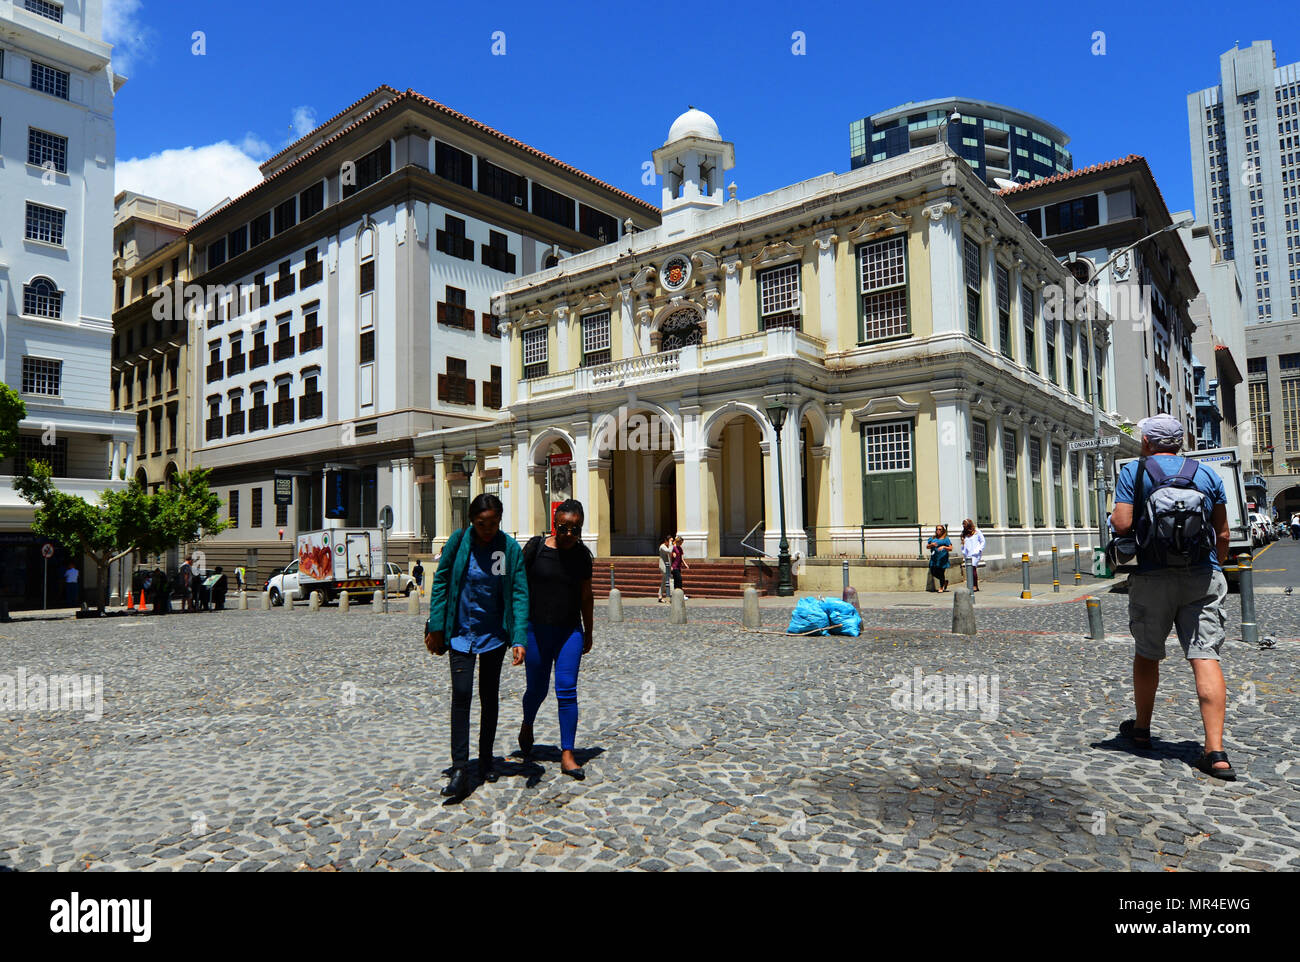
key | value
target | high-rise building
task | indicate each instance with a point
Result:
(1245, 140)
(998, 142)
(56, 218)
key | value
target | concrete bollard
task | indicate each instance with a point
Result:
(313, 601)
(1025, 593)
(677, 616)
(1056, 570)
(345, 600)
(1249, 630)
(1095, 630)
(243, 601)
(963, 612)
(266, 601)
(751, 618)
(615, 603)
(413, 603)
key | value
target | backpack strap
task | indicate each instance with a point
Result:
(1157, 473)
(1188, 471)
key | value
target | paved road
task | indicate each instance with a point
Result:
(276, 740)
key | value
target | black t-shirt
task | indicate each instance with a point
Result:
(555, 580)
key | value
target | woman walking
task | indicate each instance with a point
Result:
(478, 604)
(939, 547)
(559, 627)
(677, 563)
(665, 567)
(972, 549)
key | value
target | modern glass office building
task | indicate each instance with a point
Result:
(1247, 177)
(997, 141)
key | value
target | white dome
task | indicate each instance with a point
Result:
(693, 123)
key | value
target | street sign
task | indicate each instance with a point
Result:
(386, 517)
(1092, 444)
(47, 550)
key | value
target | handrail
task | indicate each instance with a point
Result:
(744, 542)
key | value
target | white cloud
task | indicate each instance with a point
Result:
(124, 30)
(304, 121)
(196, 177)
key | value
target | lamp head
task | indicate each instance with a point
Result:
(467, 463)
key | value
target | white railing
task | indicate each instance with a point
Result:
(635, 368)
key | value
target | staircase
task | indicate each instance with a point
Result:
(715, 578)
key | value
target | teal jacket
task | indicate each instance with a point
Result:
(449, 579)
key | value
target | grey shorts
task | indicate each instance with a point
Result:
(1194, 603)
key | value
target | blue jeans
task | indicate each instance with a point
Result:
(561, 647)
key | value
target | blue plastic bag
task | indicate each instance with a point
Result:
(808, 614)
(843, 617)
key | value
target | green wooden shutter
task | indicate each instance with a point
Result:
(983, 495)
(889, 497)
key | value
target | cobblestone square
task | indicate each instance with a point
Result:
(247, 741)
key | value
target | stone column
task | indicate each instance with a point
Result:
(711, 460)
(563, 319)
(826, 294)
(947, 290)
(644, 317)
(835, 441)
(792, 459)
(596, 531)
(956, 480)
(731, 297)
(627, 332)
(989, 298)
(441, 496)
(581, 455)
(1049, 482)
(711, 298)
(509, 348)
(1018, 315)
(692, 522)
(114, 458)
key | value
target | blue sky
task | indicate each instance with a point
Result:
(597, 85)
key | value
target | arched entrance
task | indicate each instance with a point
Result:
(737, 510)
(552, 471)
(638, 445)
(1287, 503)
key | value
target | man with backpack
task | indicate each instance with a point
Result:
(1176, 510)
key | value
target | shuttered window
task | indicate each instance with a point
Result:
(889, 474)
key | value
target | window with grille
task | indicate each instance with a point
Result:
(44, 224)
(281, 515)
(367, 347)
(370, 169)
(234, 508)
(1056, 463)
(311, 201)
(286, 215)
(50, 11)
(1003, 285)
(41, 376)
(502, 184)
(454, 164)
(255, 509)
(45, 148)
(888, 446)
(1027, 321)
(971, 273)
(49, 80)
(882, 286)
(778, 297)
(32, 448)
(980, 445)
(553, 206)
(535, 352)
(42, 299)
(1035, 459)
(367, 283)
(259, 229)
(1068, 331)
(595, 339)
(1009, 454)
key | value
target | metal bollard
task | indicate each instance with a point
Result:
(970, 575)
(1078, 575)
(1095, 630)
(1024, 576)
(611, 577)
(1249, 630)
(844, 570)
(1056, 569)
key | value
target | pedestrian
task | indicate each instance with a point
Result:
(677, 563)
(478, 604)
(161, 592)
(239, 577)
(560, 616)
(70, 587)
(1176, 509)
(198, 599)
(1295, 527)
(186, 575)
(972, 549)
(665, 567)
(217, 586)
(418, 574)
(940, 547)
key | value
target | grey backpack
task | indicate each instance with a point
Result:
(1173, 526)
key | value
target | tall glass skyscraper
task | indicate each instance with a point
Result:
(1245, 139)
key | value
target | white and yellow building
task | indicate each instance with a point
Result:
(896, 312)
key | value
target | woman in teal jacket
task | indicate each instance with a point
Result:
(478, 605)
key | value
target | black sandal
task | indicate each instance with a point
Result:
(1141, 737)
(1206, 764)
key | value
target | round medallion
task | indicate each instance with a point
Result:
(675, 272)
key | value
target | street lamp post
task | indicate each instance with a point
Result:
(467, 463)
(1099, 480)
(776, 413)
(952, 118)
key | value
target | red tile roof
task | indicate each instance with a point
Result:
(1082, 171)
(404, 97)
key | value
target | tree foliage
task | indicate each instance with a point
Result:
(12, 410)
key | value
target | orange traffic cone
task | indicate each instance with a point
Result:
(130, 600)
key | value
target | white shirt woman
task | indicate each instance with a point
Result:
(972, 548)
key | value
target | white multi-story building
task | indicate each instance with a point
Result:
(56, 250)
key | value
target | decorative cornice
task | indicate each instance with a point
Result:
(886, 222)
(885, 406)
(777, 253)
(644, 278)
(705, 261)
(826, 242)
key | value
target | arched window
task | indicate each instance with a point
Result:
(42, 299)
(681, 328)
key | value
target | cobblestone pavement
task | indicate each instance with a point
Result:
(277, 740)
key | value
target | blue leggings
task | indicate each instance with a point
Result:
(562, 647)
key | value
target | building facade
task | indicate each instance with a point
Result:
(1245, 141)
(1086, 216)
(1273, 379)
(344, 309)
(896, 319)
(150, 376)
(997, 142)
(56, 215)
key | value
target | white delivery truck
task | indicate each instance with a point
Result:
(331, 561)
(1226, 463)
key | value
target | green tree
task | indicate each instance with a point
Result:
(12, 410)
(123, 521)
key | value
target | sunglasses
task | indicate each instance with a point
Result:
(568, 529)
